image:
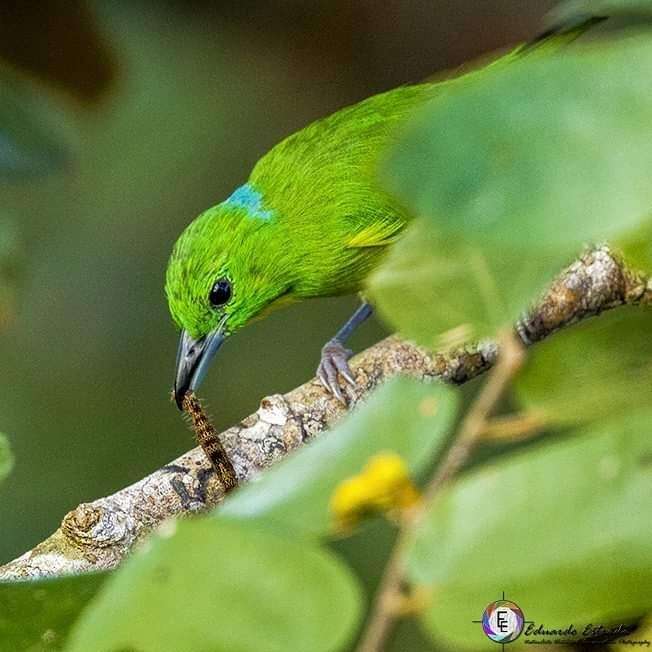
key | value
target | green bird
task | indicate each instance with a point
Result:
(311, 221)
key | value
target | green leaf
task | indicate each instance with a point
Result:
(442, 293)
(29, 140)
(6, 457)
(519, 167)
(214, 584)
(537, 153)
(636, 247)
(563, 529)
(37, 615)
(404, 416)
(595, 369)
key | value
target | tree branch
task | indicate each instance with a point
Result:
(100, 534)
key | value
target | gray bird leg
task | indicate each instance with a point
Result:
(335, 356)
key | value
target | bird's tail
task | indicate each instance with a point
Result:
(559, 34)
(556, 37)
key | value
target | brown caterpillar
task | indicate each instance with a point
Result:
(208, 439)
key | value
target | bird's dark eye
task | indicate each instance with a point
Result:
(220, 292)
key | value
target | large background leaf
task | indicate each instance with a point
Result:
(563, 529)
(37, 616)
(439, 291)
(588, 372)
(219, 585)
(404, 416)
(519, 167)
(543, 151)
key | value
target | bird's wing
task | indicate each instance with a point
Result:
(377, 234)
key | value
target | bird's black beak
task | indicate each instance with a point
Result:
(193, 359)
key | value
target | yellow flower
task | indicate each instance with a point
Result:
(383, 486)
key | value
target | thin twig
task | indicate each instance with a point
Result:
(510, 360)
(383, 613)
(509, 427)
(382, 619)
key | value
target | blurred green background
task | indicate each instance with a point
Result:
(165, 107)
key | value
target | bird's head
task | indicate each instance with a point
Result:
(224, 270)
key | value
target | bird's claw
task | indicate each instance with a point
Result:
(334, 361)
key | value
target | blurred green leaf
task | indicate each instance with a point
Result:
(563, 529)
(29, 142)
(10, 265)
(37, 615)
(539, 153)
(6, 457)
(404, 416)
(523, 164)
(441, 292)
(595, 369)
(636, 246)
(214, 584)
(37, 38)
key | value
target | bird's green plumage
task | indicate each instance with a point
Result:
(326, 219)
(311, 221)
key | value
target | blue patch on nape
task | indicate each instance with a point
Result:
(249, 198)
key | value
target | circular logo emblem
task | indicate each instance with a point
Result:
(502, 621)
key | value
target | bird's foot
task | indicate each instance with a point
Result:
(334, 361)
